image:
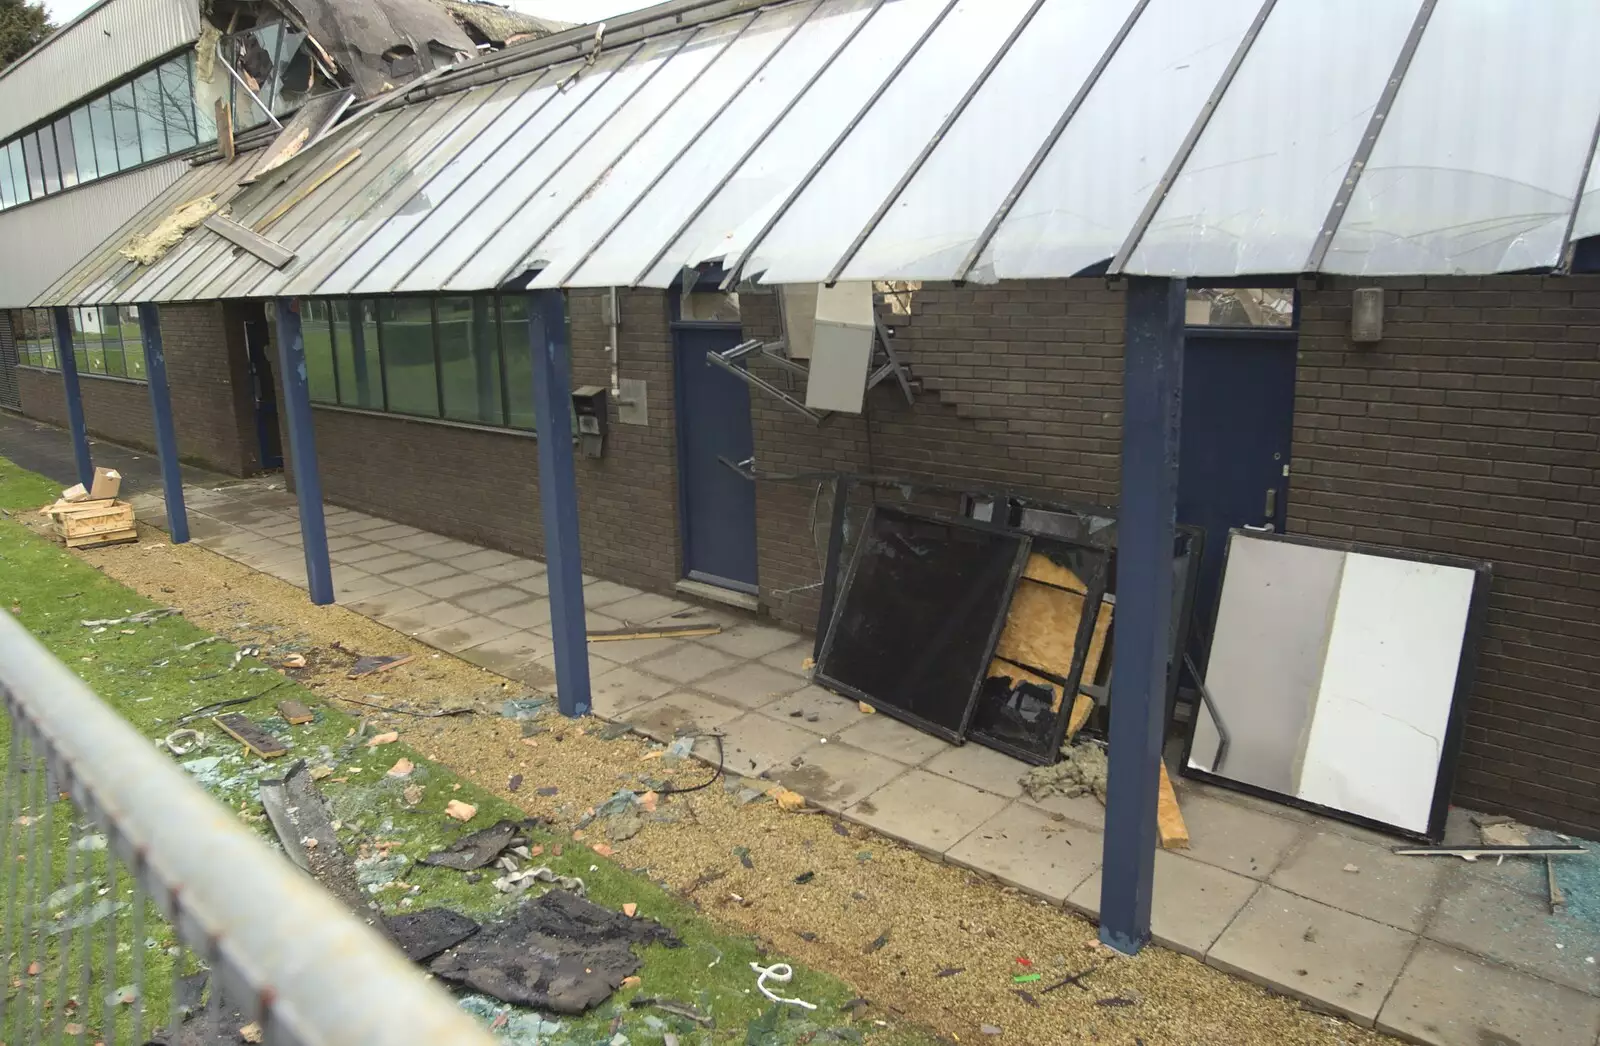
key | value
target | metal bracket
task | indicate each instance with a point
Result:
(733, 361)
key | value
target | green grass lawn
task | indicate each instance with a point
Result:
(142, 671)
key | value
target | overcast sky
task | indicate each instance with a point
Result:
(62, 11)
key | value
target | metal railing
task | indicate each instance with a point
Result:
(121, 873)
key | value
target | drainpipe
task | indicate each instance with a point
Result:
(611, 344)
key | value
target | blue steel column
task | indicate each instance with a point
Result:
(1152, 397)
(69, 378)
(303, 450)
(558, 496)
(155, 372)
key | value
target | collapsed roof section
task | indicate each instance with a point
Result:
(820, 140)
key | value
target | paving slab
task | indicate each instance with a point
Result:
(593, 621)
(422, 573)
(1022, 847)
(465, 633)
(448, 549)
(929, 812)
(1082, 809)
(360, 553)
(751, 641)
(602, 592)
(508, 654)
(791, 658)
(342, 542)
(889, 737)
(1191, 906)
(283, 531)
(1515, 928)
(392, 532)
(833, 775)
(1398, 891)
(413, 542)
(492, 599)
(482, 559)
(1447, 997)
(1233, 836)
(755, 744)
(345, 576)
(980, 767)
(361, 523)
(751, 684)
(619, 690)
(685, 662)
(646, 607)
(630, 651)
(425, 618)
(1341, 962)
(682, 713)
(391, 561)
(455, 585)
(819, 709)
(524, 615)
(382, 604)
(537, 584)
(516, 570)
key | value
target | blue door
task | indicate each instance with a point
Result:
(1233, 459)
(718, 505)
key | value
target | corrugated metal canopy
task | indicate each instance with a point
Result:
(954, 139)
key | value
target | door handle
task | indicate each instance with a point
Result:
(1265, 528)
(1271, 509)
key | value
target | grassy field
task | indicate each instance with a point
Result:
(143, 672)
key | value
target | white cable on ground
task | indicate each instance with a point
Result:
(782, 973)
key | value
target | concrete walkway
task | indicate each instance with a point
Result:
(1430, 949)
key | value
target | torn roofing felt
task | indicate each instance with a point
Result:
(380, 44)
(818, 140)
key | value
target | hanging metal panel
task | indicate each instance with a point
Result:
(1255, 190)
(761, 184)
(805, 244)
(688, 185)
(625, 133)
(1476, 167)
(1086, 195)
(642, 167)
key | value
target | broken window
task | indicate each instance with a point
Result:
(1240, 307)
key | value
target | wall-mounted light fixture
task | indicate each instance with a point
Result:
(1366, 315)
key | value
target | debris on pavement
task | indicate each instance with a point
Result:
(788, 800)
(1352, 869)
(478, 849)
(1558, 899)
(258, 741)
(677, 1009)
(1472, 853)
(366, 666)
(402, 768)
(526, 707)
(1503, 833)
(515, 882)
(559, 953)
(423, 935)
(301, 821)
(782, 973)
(295, 713)
(387, 738)
(294, 661)
(654, 632)
(877, 943)
(438, 713)
(460, 811)
(1082, 770)
(174, 741)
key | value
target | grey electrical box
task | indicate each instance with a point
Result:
(841, 348)
(589, 415)
(633, 401)
(798, 303)
(1366, 315)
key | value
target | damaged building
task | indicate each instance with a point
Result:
(910, 242)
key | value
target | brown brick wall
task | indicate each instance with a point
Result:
(1473, 428)
(482, 485)
(211, 403)
(1023, 390)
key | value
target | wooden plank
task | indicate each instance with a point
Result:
(288, 205)
(1082, 708)
(295, 713)
(257, 740)
(118, 537)
(1042, 568)
(1041, 629)
(1097, 643)
(1169, 819)
(658, 632)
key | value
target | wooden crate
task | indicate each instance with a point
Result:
(87, 526)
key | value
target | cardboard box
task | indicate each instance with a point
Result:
(107, 485)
